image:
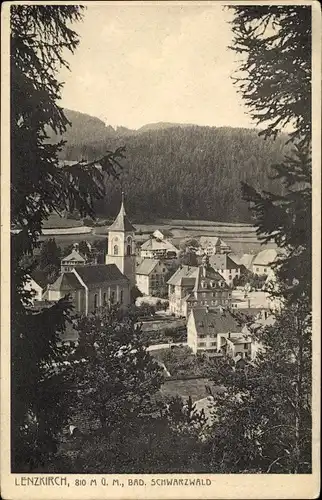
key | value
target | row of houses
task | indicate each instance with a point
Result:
(218, 332)
(91, 285)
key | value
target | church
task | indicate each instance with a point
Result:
(96, 285)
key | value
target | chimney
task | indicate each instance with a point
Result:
(229, 335)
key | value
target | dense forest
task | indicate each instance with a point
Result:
(178, 171)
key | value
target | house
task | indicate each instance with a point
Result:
(180, 285)
(247, 260)
(204, 327)
(262, 263)
(72, 260)
(91, 287)
(150, 276)
(162, 234)
(226, 267)
(36, 284)
(235, 344)
(213, 245)
(158, 249)
(121, 245)
(192, 286)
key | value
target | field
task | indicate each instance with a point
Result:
(241, 237)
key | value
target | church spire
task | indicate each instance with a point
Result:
(122, 222)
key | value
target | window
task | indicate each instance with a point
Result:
(201, 344)
(121, 297)
(116, 250)
(112, 297)
(128, 249)
(230, 277)
(257, 269)
(95, 301)
(245, 346)
(104, 299)
(265, 270)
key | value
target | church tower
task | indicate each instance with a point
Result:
(121, 245)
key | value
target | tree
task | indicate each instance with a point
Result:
(268, 403)
(264, 417)
(117, 375)
(188, 258)
(274, 78)
(49, 254)
(39, 38)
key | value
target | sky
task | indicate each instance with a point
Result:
(139, 64)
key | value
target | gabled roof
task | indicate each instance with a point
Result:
(122, 222)
(66, 282)
(147, 266)
(153, 244)
(74, 255)
(247, 260)
(182, 273)
(265, 257)
(211, 280)
(100, 273)
(215, 320)
(165, 232)
(222, 261)
(40, 278)
(212, 240)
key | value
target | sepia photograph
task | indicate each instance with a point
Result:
(159, 251)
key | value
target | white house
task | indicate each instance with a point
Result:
(205, 326)
(213, 245)
(72, 260)
(162, 234)
(37, 284)
(226, 267)
(262, 263)
(158, 249)
(150, 276)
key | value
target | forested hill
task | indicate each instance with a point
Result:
(176, 171)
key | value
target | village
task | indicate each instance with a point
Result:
(196, 299)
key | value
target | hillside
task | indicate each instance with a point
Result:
(177, 171)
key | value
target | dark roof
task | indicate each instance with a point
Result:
(222, 261)
(66, 282)
(100, 273)
(215, 321)
(122, 222)
(40, 278)
(211, 280)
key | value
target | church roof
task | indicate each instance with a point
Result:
(66, 282)
(100, 273)
(122, 222)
